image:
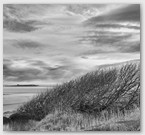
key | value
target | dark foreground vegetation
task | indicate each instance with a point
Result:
(106, 99)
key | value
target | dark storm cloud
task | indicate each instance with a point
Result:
(27, 44)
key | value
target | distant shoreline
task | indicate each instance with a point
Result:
(28, 85)
(25, 85)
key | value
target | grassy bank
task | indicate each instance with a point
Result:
(97, 98)
(70, 121)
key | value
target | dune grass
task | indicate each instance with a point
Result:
(70, 121)
(62, 121)
(20, 126)
(111, 90)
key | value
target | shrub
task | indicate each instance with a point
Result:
(105, 89)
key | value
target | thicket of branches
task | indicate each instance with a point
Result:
(107, 89)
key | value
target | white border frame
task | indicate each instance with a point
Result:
(142, 2)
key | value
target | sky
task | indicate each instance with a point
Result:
(54, 43)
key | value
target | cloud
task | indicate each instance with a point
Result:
(14, 19)
(30, 70)
(86, 10)
(109, 39)
(21, 75)
(25, 70)
(27, 44)
(128, 13)
(90, 10)
(117, 26)
(59, 46)
(132, 48)
(115, 31)
(31, 17)
(14, 25)
(95, 52)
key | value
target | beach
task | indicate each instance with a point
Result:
(13, 97)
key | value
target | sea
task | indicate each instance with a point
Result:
(13, 97)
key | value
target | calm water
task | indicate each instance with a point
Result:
(13, 97)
